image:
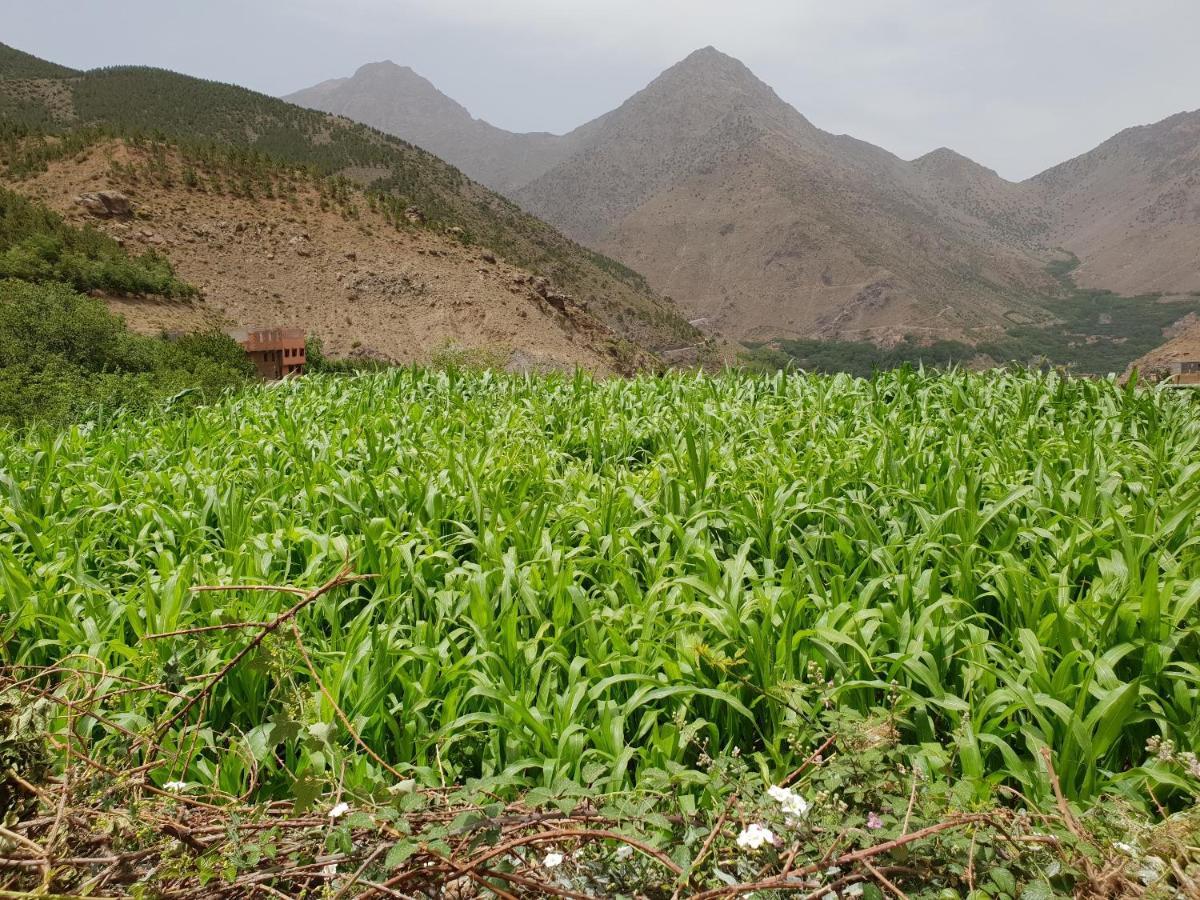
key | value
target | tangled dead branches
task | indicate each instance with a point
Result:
(103, 827)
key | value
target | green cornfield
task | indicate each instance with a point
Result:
(601, 582)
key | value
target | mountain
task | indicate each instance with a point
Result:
(732, 202)
(397, 100)
(1130, 209)
(757, 222)
(195, 113)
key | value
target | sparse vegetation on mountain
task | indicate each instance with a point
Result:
(1130, 208)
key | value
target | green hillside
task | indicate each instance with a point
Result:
(128, 100)
(15, 64)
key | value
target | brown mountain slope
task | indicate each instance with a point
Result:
(1130, 209)
(331, 266)
(1182, 345)
(730, 201)
(733, 203)
(1013, 213)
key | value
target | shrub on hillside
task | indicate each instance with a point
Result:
(37, 245)
(316, 362)
(860, 358)
(64, 357)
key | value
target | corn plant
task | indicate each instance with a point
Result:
(597, 582)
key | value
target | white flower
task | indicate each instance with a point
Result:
(1127, 849)
(854, 890)
(329, 870)
(755, 836)
(624, 851)
(830, 896)
(176, 787)
(340, 810)
(793, 805)
(552, 860)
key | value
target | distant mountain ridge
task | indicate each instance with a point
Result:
(1130, 208)
(732, 202)
(756, 221)
(397, 100)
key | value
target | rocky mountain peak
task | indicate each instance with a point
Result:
(946, 163)
(717, 77)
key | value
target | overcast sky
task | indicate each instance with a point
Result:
(1017, 85)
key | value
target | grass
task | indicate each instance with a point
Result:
(606, 583)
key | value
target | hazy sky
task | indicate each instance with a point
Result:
(1017, 85)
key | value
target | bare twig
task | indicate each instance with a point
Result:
(306, 598)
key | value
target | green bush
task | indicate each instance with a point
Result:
(860, 358)
(315, 361)
(1091, 332)
(64, 357)
(37, 245)
(1094, 332)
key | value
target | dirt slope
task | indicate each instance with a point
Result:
(364, 287)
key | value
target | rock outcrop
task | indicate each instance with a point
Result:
(106, 204)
